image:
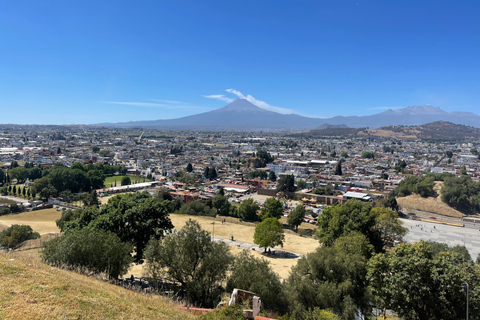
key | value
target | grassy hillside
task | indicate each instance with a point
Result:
(30, 289)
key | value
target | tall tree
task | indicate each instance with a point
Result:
(286, 183)
(190, 258)
(269, 233)
(295, 217)
(189, 167)
(272, 208)
(248, 209)
(418, 284)
(338, 168)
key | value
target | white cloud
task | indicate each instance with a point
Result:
(220, 97)
(258, 103)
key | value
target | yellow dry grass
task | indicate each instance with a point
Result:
(244, 232)
(430, 204)
(32, 290)
(41, 221)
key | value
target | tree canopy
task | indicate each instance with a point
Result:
(190, 258)
(272, 208)
(269, 233)
(295, 217)
(248, 209)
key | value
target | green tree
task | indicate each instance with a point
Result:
(301, 184)
(331, 278)
(272, 208)
(248, 209)
(95, 149)
(286, 183)
(256, 275)
(96, 179)
(295, 217)
(272, 177)
(222, 205)
(381, 226)
(2, 176)
(269, 233)
(19, 173)
(16, 234)
(90, 250)
(368, 155)
(189, 167)
(449, 154)
(126, 181)
(338, 168)
(418, 284)
(77, 165)
(133, 217)
(193, 260)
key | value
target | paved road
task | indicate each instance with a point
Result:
(251, 246)
(419, 230)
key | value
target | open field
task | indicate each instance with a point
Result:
(110, 180)
(244, 232)
(32, 290)
(42, 221)
(430, 204)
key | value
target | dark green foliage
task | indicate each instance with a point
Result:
(134, 217)
(381, 226)
(368, 155)
(262, 174)
(210, 173)
(264, 155)
(461, 193)
(126, 181)
(248, 209)
(272, 176)
(286, 183)
(16, 234)
(338, 169)
(193, 260)
(417, 282)
(331, 278)
(255, 275)
(272, 208)
(301, 184)
(19, 173)
(91, 250)
(222, 205)
(67, 216)
(197, 208)
(295, 217)
(189, 167)
(420, 185)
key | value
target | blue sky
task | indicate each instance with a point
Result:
(65, 62)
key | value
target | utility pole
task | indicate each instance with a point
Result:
(466, 285)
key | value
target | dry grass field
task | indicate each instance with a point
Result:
(32, 290)
(41, 221)
(244, 232)
(430, 204)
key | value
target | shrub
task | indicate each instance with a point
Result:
(89, 249)
(16, 234)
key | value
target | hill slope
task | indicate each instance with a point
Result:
(30, 289)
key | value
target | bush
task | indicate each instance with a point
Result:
(90, 250)
(16, 234)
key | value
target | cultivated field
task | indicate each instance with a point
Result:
(42, 221)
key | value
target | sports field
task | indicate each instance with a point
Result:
(41, 221)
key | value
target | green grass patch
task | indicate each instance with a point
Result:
(110, 181)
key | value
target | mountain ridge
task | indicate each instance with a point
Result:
(242, 115)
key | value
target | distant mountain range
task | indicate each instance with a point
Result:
(241, 115)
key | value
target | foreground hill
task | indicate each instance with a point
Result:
(30, 289)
